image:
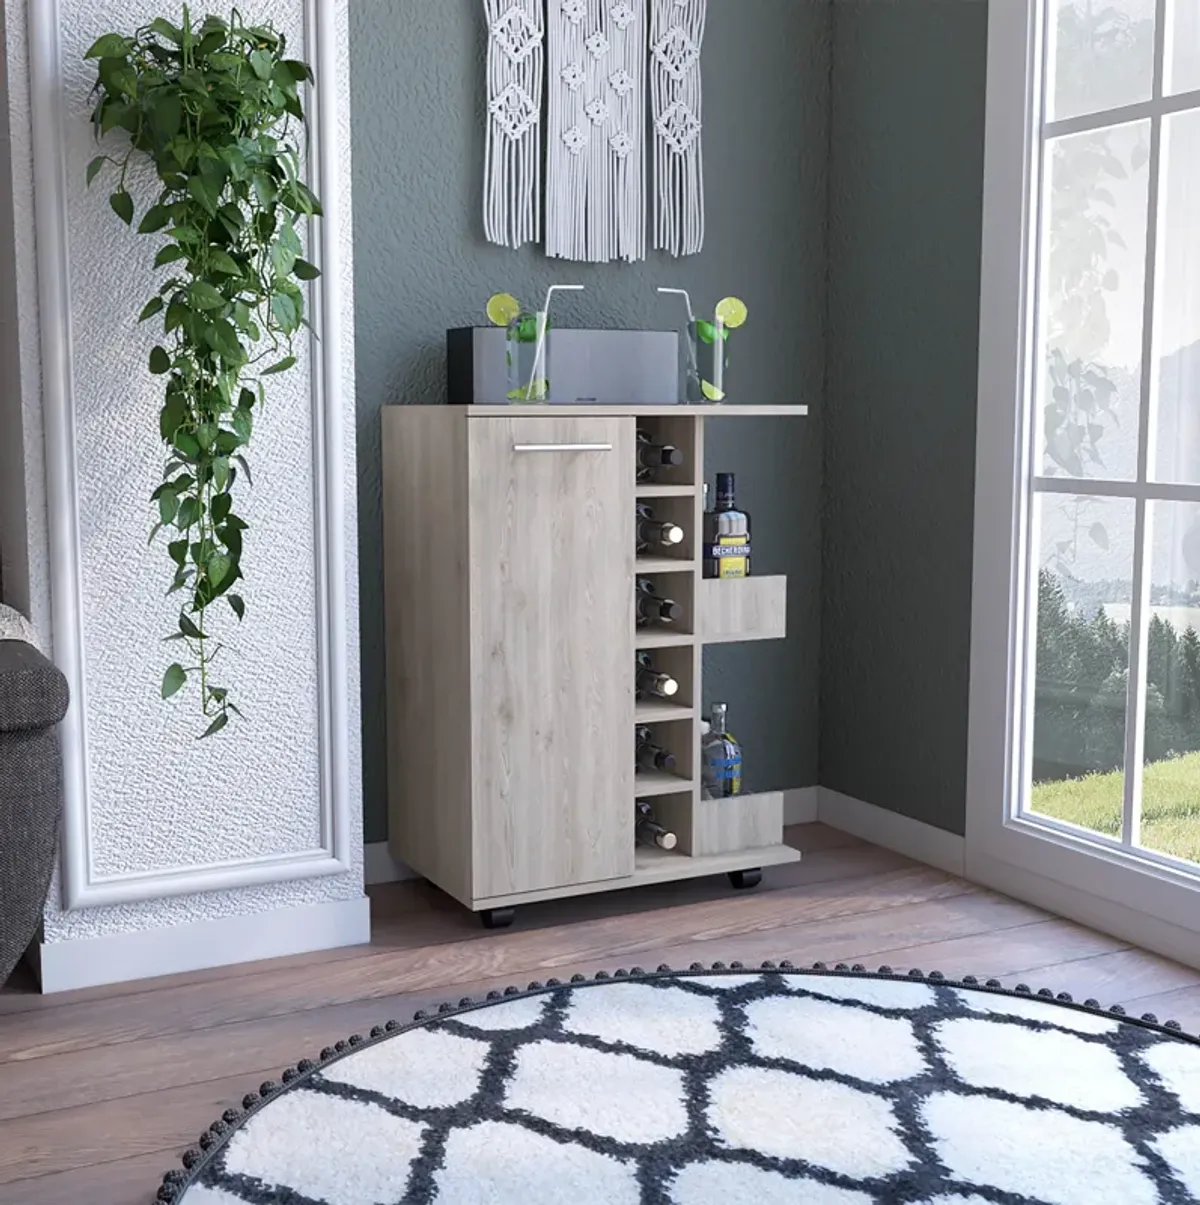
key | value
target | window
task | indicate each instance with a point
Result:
(1111, 730)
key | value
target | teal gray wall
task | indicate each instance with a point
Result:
(905, 203)
(422, 266)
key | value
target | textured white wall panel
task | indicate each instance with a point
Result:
(153, 804)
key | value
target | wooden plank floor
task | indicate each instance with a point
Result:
(101, 1090)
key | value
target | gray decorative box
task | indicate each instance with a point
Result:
(583, 366)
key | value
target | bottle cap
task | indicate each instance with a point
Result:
(724, 483)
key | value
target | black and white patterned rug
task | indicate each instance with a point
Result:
(775, 1086)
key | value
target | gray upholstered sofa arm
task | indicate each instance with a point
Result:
(33, 693)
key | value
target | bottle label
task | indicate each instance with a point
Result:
(732, 554)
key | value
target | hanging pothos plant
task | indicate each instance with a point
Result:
(212, 107)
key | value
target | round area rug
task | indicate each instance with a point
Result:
(774, 1086)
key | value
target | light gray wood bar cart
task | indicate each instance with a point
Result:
(509, 591)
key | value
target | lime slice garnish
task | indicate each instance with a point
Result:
(732, 312)
(502, 308)
(711, 392)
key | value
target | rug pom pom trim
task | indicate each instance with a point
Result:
(214, 1139)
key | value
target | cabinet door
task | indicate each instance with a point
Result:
(552, 564)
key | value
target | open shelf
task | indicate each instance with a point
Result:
(653, 865)
(655, 782)
(650, 489)
(656, 711)
(663, 564)
(661, 638)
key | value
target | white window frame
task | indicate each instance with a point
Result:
(1103, 884)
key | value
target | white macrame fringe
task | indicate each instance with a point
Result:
(676, 40)
(596, 145)
(512, 189)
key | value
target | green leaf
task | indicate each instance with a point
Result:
(154, 219)
(243, 424)
(160, 362)
(303, 270)
(122, 206)
(152, 307)
(285, 311)
(232, 216)
(204, 296)
(177, 314)
(238, 605)
(202, 190)
(189, 512)
(283, 259)
(174, 680)
(206, 434)
(154, 532)
(267, 192)
(222, 503)
(220, 471)
(281, 366)
(109, 46)
(218, 568)
(222, 261)
(246, 399)
(262, 63)
(167, 113)
(189, 629)
(168, 506)
(215, 726)
(186, 445)
(222, 338)
(241, 463)
(169, 254)
(178, 550)
(165, 29)
(93, 168)
(172, 416)
(300, 72)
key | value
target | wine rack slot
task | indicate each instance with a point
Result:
(677, 738)
(737, 609)
(677, 433)
(738, 822)
(677, 585)
(674, 812)
(679, 663)
(678, 515)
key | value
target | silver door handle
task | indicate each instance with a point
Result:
(562, 447)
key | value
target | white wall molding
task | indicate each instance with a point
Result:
(912, 838)
(801, 805)
(92, 962)
(82, 887)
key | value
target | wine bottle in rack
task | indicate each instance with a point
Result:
(651, 755)
(653, 535)
(653, 683)
(726, 534)
(652, 607)
(647, 829)
(652, 456)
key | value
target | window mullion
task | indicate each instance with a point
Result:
(1143, 560)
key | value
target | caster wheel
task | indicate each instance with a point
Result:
(743, 880)
(497, 918)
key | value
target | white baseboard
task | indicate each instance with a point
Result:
(380, 867)
(1142, 929)
(91, 962)
(801, 805)
(912, 838)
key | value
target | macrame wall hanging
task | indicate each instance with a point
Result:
(676, 39)
(513, 164)
(604, 58)
(595, 153)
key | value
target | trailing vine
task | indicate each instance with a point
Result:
(212, 106)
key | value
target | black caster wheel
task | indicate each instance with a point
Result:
(743, 880)
(497, 918)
